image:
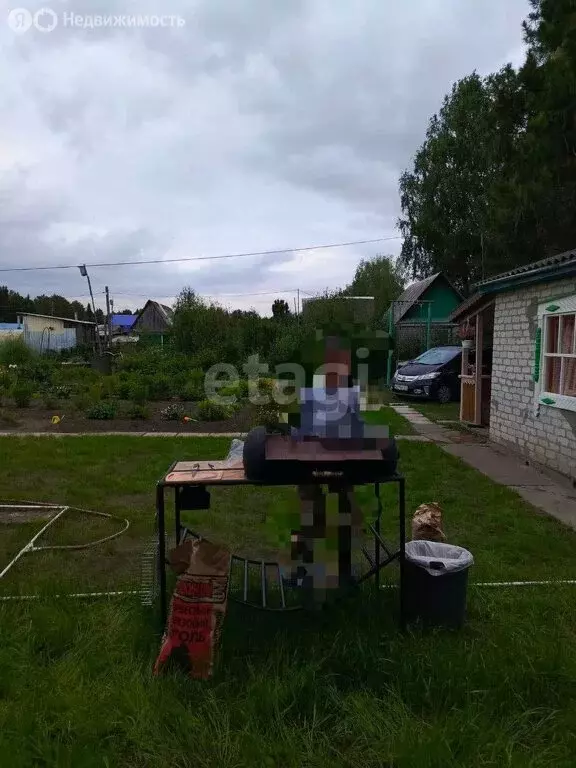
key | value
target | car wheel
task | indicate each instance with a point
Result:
(444, 394)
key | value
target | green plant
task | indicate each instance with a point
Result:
(38, 370)
(22, 394)
(193, 387)
(209, 410)
(15, 352)
(81, 401)
(62, 392)
(109, 386)
(138, 411)
(104, 410)
(138, 393)
(95, 392)
(126, 381)
(159, 387)
(48, 398)
(172, 412)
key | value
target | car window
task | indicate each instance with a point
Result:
(438, 356)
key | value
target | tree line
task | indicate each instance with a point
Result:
(494, 184)
(13, 304)
(213, 334)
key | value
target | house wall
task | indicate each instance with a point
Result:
(548, 435)
(38, 324)
(150, 320)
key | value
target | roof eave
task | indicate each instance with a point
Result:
(541, 275)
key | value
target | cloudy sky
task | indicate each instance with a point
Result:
(256, 125)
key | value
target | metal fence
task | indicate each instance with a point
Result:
(413, 336)
(50, 341)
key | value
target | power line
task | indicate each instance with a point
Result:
(170, 296)
(200, 258)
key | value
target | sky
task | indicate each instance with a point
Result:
(251, 125)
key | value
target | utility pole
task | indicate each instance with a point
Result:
(108, 319)
(84, 273)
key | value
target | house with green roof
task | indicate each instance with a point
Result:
(420, 317)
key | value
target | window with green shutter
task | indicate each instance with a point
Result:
(537, 353)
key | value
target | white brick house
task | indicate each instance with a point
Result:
(524, 323)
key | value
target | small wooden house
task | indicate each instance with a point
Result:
(420, 317)
(153, 318)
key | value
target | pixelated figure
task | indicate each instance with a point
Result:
(321, 549)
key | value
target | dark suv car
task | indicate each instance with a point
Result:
(432, 375)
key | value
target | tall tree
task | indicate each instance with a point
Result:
(494, 184)
(448, 198)
(280, 308)
(380, 277)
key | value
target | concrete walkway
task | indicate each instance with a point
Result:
(409, 438)
(547, 491)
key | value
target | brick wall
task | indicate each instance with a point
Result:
(547, 436)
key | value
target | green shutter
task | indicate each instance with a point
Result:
(537, 351)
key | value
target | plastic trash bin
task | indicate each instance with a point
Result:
(435, 583)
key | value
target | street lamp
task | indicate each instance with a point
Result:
(84, 273)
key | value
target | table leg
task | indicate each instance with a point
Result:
(377, 538)
(344, 536)
(161, 523)
(177, 515)
(402, 510)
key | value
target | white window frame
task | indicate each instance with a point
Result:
(554, 308)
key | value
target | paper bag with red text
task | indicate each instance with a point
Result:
(198, 606)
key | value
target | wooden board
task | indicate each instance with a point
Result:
(205, 475)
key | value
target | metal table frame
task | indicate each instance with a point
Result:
(376, 563)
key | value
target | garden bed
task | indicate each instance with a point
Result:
(38, 418)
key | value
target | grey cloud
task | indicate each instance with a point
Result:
(258, 124)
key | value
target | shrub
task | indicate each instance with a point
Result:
(62, 391)
(81, 401)
(172, 412)
(77, 377)
(138, 411)
(109, 386)
(37, 370)
(22, 394)
(7, 381)
(138, 393)
(15, 352)
(209, 410)
(103, 410)
(159, 387)
(49, 399)
(125, 386)
(95, 392)
(193, 387)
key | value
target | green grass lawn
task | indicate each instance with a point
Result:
(341, 687)
(437, 411)
(397, 424)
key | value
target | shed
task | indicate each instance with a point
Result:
(420, 317)
(153, 318)
(46, 332)
(519, 378)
